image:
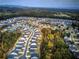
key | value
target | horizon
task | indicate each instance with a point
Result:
(65, 4)
(35, 7)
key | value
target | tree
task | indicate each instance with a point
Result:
(57, 55)
(60, 44)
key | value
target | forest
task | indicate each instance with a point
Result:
(7, 41)
(53, 45)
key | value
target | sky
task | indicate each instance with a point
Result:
(69, 4)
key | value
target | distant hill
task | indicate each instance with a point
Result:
(16, 7)
(7, 11)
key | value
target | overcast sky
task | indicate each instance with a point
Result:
(72, 4)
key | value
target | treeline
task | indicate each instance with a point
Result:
(38, 13)
(53, 45)
(7, 41)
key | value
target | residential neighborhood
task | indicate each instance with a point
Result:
(28, 44)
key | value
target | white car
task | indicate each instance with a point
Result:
(34, 58)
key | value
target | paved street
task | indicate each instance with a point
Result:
(24, 44)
